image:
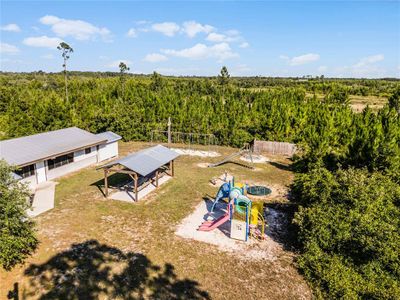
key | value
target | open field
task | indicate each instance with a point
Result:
(105, 249)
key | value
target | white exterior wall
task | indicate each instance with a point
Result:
(107, 151)
(81, 160)
(31, 181)
(41, 172)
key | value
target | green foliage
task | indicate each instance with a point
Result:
(394, 100)
(349, 226)
(223, 77)
(17, 232)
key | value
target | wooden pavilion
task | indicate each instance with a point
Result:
(144, 167)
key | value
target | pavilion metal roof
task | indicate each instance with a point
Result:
(146, 161)
(29, 149)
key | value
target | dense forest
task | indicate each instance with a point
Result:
(348, 167)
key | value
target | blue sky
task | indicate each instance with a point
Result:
(269, 38)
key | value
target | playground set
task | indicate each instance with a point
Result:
(245, 216)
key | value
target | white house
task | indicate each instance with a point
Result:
(45, 156)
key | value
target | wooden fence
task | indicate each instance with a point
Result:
(274, 147)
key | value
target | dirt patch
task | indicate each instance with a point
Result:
(255, 158)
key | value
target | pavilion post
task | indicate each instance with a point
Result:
(136, 187)
(171, 168)
(106, 182)
(157, 178)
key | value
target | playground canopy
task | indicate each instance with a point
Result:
(147, 163)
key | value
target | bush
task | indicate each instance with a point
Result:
(17, 231)
(349, 228)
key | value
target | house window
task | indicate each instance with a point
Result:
(26, 171)
(60, 161)
(88, 150)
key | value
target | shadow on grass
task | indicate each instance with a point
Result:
(279, 217)
(91, 270)
(281, 166)
(115, 180)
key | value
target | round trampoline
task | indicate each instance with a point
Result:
(258, 190)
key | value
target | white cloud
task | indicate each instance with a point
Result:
(322, 68)
(43, 41)
(192, 28)
(155, 57)
(230, 36)
(221, 51)
(365, 67)
(300, 60)
(8, 49)
(78, 29)
(115, 63)
(241, 69)
(369, 60)
(244, 45)
(11, 28)
(48, 56)
(166, 28)
(132, 32)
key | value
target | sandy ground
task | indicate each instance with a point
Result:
(196, 152)
(257, 158)
(220, 237)
(129, 196)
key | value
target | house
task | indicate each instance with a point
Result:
(46, 156)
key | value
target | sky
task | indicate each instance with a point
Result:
(264, 38)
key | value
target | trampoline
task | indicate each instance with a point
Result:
(258, 190)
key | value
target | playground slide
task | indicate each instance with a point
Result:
(223, 192)
(208, 226)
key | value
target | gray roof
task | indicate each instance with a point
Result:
(109, 136)
(146, 161)
(29, 149)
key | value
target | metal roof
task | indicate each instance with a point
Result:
(29, 149)
(146, 161)
(109, 136)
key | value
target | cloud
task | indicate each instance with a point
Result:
(48, 56)
(322, 68)
(8, 49)
(43, 42)
(155, 57)
(78, 29)
(115, 63)
(300, 60)
(229, 36)
(132, 33)
(369, 60)
(11, 28)
(192, 28)
(166, 28)
(241, 69)
(244, 45)
(366, 67)
(221, 51)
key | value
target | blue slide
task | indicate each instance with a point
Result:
(223, 192)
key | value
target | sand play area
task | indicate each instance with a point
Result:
(193, 152)
(220, 237)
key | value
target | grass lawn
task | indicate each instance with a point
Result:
(94, 248)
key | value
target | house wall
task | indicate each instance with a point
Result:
(40, 172)
(31, 181)
(81, 160)
(107, 151)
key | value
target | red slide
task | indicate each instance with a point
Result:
(210, 225)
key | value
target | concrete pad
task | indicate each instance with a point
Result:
(43, 199)
(128, 195)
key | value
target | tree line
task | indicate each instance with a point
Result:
(348, 167)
